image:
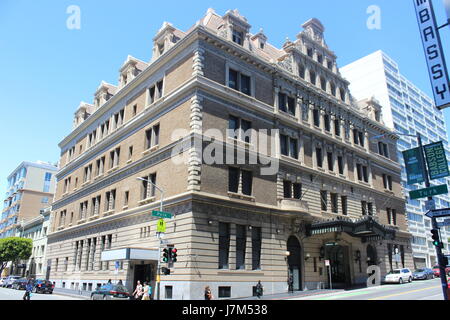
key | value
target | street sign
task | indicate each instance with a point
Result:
(161, 214)
(436, 160)
(161, 226)
(438, 213)
(414, 166)
(434, 54)
(428, 192)
(430, 205)
(444, 223)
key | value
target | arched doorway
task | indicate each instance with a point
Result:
(295, 262)
(372, 258)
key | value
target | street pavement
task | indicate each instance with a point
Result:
(416, 290)
(12, 294)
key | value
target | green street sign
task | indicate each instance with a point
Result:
(428, 192)
(436, 160)
(414, 167)
(161, 214)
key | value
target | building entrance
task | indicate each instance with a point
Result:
(339, 266)
(295, 262)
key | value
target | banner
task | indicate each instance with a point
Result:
(432, 45)
(436, 160)
(414, 166)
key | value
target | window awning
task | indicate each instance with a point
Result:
(130, 254)
(366, 228)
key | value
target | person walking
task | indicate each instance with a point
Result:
(208, 293)
(291, 284)
(28, 289)
(259, 289)
(139, 292)
(146, 295)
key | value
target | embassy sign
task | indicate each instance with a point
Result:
(433, 52)
(414, 166)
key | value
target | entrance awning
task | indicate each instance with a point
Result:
(130, 254)
(366, 228)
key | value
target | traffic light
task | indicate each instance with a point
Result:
(165, 271)
(173, 255)
(165, 255)
(436, 239)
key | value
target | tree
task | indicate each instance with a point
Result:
(14, 250)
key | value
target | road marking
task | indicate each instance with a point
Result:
(402, 293)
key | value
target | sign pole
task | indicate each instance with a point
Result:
(433, 221)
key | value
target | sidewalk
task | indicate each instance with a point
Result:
(294, 295)
(85, 295)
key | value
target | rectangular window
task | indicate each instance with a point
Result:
(327, 124)
(256, 248)
(319, 157)
(224, 244)
(340, 162)
(291, 105)
(364, 208)
(389, 215)
(284, 145)
(239, 81)
(370, 208)
(282, 101)
(297, 190)
(330, 161)
(233, 179)
(287, 187)
(323, 200)
(293, 148)
(316, 117)
(233, 127)
(245, 84)
(246, 127)
(344, 205)
(247, 178)
(168, 292)
(224, 292)
(238, 37)
(241, 240)
(337, 127)
(394, 217)
(233, 79)
(334, 202)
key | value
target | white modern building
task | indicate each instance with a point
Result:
(408, 110)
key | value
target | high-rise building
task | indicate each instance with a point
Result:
(30, 189)
(278, 174)
(407, 110)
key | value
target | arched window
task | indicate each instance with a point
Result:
(333, 89)
(342, 92)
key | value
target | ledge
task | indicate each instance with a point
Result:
(108, 213)
(145, 201)
(241, 196)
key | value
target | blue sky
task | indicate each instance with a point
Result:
(47, 69)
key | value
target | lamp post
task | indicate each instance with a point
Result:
(158, 272)
(433, 220)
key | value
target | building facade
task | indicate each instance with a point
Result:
(31, 187)
(36, 229)
(407, 110)
(265, 162)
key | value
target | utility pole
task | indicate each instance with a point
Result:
(443, 275)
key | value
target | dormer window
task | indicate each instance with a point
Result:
(161, 48)
(238, 37)
(261, 45)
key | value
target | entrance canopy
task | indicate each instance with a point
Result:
(130, 254)
(366, 228)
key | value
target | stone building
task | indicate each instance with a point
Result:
(265, 162)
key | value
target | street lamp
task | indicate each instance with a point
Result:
(158, 275)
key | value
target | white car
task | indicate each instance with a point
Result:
(2, 280)
(399, 276)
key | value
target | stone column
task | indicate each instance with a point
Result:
(333, 125)
(195, 152)
(198, 62)
(276, 106)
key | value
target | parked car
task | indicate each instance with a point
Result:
(110, 292)
(9, 281)
(19, 284)
(399, 276)
(43, 286)
(437, 272)
(2, 280)
(423, 274)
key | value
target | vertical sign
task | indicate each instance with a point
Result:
(436, 160)
(433, 52)
(414, 166)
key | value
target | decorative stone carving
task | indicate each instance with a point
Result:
(198, 62)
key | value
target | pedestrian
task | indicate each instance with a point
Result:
(109, 281)
(138, 293)
(208, 293)
(28, 289)
(290, 284)
(146, 295)
(120, 283)
(259, 289)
